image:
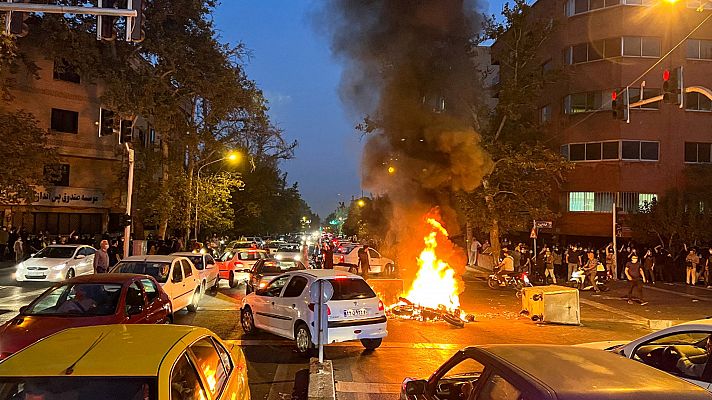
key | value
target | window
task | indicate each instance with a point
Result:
(593, 151)
(275, 287)
(699, 49)
(631, 150)
(545, 114)
(224, 356)
(351, 289)
(693, 361)
(57, 174)
(577, 152)
(645, 198)
(697, 102)
(602, 202)
(649, 151)
(610, 151)
(586, 102)
(65, 121)
(635, 46)
(631, 202)
(373, 253)
(177, 274)
(63, 71)
(612, 47)
(648, 93)
(187, 270)
(465, 367)
(210, 363)
(295, 287)
(150, 288)
(134, 297)
(498, 388)
(573, 7)
(697, 152)
(185, 381)
(581, 201)
(565, 151)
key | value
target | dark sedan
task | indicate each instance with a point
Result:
(87, 300)
(264, 270)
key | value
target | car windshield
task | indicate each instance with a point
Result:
(55, 252)
(78, 388)
(158, 270)
(289, 248)
(277, 267)
(350, 289)
(197, 261)
(344, 249)
(80, 299)
(241, 245)
(248, 256)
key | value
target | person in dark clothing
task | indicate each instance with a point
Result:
(328, 256)
(363, 261)
(661, 270)
(11, 239)
(649, 267)
(634, 273)
(114, 253)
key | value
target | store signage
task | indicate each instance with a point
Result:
(68, 197)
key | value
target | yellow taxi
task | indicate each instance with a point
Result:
(127, 362)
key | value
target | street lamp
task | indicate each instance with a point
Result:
(361, 203)
(232, 156)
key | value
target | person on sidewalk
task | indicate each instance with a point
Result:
(691, 262)
(475, 251)
(19, 248)
(611, 267)
(590, 269)
(101, 258)
(634, 273)
(649, 267)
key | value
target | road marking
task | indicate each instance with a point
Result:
(634, 317)
(690, 296)
(390, 345)
(366, 387)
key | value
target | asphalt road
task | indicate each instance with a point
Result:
(415, 348)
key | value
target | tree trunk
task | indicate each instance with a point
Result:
(139, 231)
(163, 226)
(189, 203)
(494, 240)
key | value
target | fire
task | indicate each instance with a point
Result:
(435, 284)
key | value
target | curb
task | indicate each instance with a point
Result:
(321, 380)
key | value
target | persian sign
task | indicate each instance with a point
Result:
(68, 197)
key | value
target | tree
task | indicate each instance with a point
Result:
(369, 220)
(526, 171)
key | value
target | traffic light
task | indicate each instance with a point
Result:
(16, 21)
(125, 220)
(105, 23)
(137, 33)
(106, 122)
(673, 86)
(126, 129)
(618, 106)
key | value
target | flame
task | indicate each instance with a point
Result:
(435, 284)
(210, 377)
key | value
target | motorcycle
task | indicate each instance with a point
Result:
(514, 280)
(579, 281)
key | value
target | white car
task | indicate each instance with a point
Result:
(290, 251)
(663, 349)
(346, 256)
(283, 308)
(208, 271)
(177, 275)
(56, 263)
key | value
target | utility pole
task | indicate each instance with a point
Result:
(615, 244)
(127, 228)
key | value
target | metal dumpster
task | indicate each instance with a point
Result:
(552, 304)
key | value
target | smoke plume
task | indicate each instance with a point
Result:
(408, 67)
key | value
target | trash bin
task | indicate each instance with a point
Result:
(552, 304)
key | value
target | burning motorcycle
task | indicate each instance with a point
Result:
(579, 281)
(514, 280)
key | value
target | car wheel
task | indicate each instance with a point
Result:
(216, 286)
(302, 338)
(71, 274)
(193, 306)
(248, 321)
(232, 281)
(492, 283)
(371, 344)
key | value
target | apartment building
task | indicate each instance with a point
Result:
(606, 46)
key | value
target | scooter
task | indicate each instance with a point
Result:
(514, 280)
(579, 281)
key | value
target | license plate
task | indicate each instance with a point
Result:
(35, 273)
(355, 313)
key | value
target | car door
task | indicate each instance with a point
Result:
(76, 262)
(186, 382)
(135, 304)
(155, 313)
(190, 276)
(287, 305)
(264, 302)
(89, 254)
(374, 260)
(209, 263)
(177, 287)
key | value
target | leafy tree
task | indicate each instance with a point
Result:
(369, 220)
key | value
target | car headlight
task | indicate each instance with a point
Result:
(278, 256)
(59, 267)
(298, 258)
(20, 267)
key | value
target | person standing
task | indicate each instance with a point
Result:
(548, 264)
(649, 267)
(571, 259)
(363, 261)
(590, 269)
(661, 264)
(611, 267)
(114, 253)
(475, 251)
(328, 256)
(101, 258)
(691, 262)
(19, 249)
(634, 273)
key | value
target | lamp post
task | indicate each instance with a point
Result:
(231, 157)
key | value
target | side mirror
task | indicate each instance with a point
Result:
(32, 255)
(415, 388)
(80, 256)
(23, 309)
(135, 310)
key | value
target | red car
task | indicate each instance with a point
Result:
(235, 264)
(87, 300)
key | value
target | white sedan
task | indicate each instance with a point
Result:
(56, 263)
(208, 271)
(283, 308)
(684, 350)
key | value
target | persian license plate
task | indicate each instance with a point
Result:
(355, 312)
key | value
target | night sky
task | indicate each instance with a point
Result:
(292, 64)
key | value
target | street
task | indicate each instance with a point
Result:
(415, 348)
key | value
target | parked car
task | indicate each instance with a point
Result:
(346, 257)
(283, 308)
(255, 239)
(239, 244)
(127, 362)
(664, 348)
(264, 270)
(208, 271)
(176, 274)
(97, 299)
(543, 372)
(56, 263)
(292, 251)
(235, 264)
(273, 245)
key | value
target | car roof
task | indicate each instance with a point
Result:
(104, 278)
(582, 373)
(187, 254)
(107, 350)
(69, 245)
(151, 258)
(326, 273)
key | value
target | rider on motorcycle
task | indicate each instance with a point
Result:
(506, 266)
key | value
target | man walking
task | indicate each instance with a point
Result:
(19, 248)
(691, 262)
(475, 251)
(571, 261)
(363, 261)
(590, 269)
(634, 273)
(101, 258)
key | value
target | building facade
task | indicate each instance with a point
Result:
(89, 192)
(606, 46)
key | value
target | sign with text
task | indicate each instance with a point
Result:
(68, 197)
(544, 224)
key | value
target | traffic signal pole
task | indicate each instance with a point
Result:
(127, 228)
(615, 243)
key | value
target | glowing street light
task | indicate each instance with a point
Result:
(361, 203)
(391, 170)
(231, 156)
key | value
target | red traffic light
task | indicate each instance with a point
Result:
(666, 75)
(614, 96)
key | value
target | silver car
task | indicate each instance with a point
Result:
(56, 263)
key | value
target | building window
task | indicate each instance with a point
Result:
(634, 46)
(697, 102)
(545, 114)
(628, 150)
(699, 49)
(63, 71)
(581, 201)
(586, 102)
(573, 7)
(602, 202)
(593, 151)
(631, 202)
(593, 51)
(577, 152)
(648, 93)
(57, 174)
(697, 152)
(65, 121)
(610, 150)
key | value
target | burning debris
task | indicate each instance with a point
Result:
(407, 310)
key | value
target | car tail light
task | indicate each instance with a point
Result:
(312, 307)
(341, 259)
(380, 306)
